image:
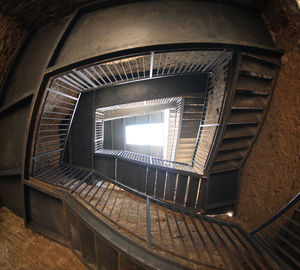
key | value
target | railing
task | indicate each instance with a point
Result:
(150, 160)
(139, 104)
(185, 237)
(190, 239)
(135, 108)
(63, 91)
(55, 119)
(99, 131)
(280, 236)
(176, 183)
(147, 66)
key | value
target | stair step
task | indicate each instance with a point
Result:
(226, 165)
(271, 60)
(203, 149)
(231, 154)
(192, 109)
(236, 143)
(189, 133)
(244, 117)
(240, 131)
(255, 85)
(196, 95)
(184, 160)
(187, 141)
(189, 129)
(255, 65)
(185, 155)
(200, 160)
(247, 91)
(194, 101)
(190, 123)
(191, 116)
(249, 101)
(245, 72)
(183, 151)
(190, 147)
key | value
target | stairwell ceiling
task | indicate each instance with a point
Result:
(36, 13)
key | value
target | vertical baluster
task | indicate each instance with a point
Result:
(148, 220)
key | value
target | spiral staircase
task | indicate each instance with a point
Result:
(131, 211)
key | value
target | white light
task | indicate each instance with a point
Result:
(230, 214)
(146, 134)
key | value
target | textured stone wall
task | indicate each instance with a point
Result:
(11, 38)
(17, 18)
(271, 174)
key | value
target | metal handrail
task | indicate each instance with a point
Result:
(279, 237)
(227, 242)
(292, 202)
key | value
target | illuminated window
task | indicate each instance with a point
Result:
(146, 134)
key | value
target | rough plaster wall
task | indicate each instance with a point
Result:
(21, 248)
(36, 13)
(11, 38)
(270, 176)
(17, 18)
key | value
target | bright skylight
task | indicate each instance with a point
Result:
(145, 134)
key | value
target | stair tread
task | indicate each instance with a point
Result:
(254, 84)
(256, 108)
(226, 165)
(244, 90)
(194, 101)
(183, 151)
(191, 116)
(231, 154)
(244, 117)
(263, 58)
(192, 109)
(240, 131)
(249, 100)
(235, 143)
(246, 72)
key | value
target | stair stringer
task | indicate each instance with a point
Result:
(248, 99)
(119, 246)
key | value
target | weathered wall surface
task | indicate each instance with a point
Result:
(21, 248)
(17, 18)
(270, 176)
(11, 38)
